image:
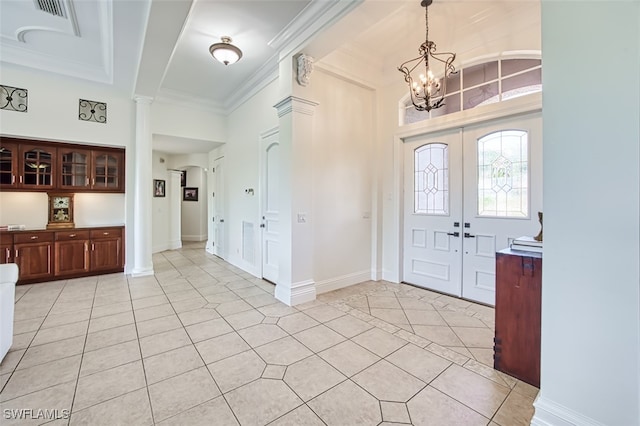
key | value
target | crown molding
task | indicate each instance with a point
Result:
(260, 79)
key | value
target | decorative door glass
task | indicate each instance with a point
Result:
(431, 179)
(503, 174)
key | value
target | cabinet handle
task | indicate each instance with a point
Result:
(86, 247)
(105, 233)
(13, 179)
(16, 254)
(7, 255)
(72, 235)
(93, 181)
(93, 247)
(34, 237)
(20, 178)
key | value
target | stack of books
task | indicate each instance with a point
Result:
(526, 244)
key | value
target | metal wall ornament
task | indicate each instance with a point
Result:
(92, 111)
(13, 98)
(427, 92)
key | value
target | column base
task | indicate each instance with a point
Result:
(142, 272)
(297, 294)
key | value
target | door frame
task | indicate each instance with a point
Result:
(261, 197)
(513, 107)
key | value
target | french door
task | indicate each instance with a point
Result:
(467, 194)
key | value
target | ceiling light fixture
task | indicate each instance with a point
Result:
(427, 91)
(225, 52)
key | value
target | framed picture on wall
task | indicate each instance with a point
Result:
(159, 187)
(183, 178)
(190, 194)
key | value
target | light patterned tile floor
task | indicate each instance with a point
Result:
(202, 341)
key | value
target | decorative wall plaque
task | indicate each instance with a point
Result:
(92, 111)
(13, 98)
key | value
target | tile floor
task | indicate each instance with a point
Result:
(202, 342)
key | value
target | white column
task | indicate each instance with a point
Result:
(295, 281)
(142, 261)
(175, 210)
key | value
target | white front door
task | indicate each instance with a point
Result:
(432, 209)
(502, 196)
(218, 208)
(467, 194)
(270, 217)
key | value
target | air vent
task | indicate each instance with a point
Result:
(54, 7)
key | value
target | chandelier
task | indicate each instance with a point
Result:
(225, 52)
(427, 91)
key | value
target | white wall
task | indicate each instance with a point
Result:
(176, 119)
(590, 282)
(343, 169)
(194, 213)
(160, 205)
(245, 125)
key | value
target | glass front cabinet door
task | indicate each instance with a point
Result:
(74, 168)
(108, 171)
(36, 166)
(8, 164)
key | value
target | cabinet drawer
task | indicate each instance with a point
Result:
(33, 237)
(96, 234)
(72, 235)
(6, 239)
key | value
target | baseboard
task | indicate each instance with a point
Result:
(549, 413)
(173, 245)
(201, 237)
(161, 247)
(301, 292)
(342, 281)
(376, 275)
(391, 276)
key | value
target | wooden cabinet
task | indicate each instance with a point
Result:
(9, 154)
(33, 253)
(106, 249)
(27, 165)
(518, 314)
(6, 248)
(98, 170)
(71, 253)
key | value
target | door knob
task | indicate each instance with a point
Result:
(453, 234)
(221, 220)
(262, 225)
(468, 235)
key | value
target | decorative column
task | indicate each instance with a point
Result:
(175, 210)
(142, 261)
(295, 283)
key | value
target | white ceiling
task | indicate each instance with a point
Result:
(160, 48)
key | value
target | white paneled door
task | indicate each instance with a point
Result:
(218, 208)
(467, 194)
(270, 207)
(432, 206)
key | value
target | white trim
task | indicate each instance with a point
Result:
(295, 104)
(301, 292)
(391, 276)
(343, 281)
(260, 79)
(344, 76)
(178, 98)
(262, 193)
(142, 272)
(550, 413)
(376, 274)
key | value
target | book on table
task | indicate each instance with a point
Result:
(526, 243)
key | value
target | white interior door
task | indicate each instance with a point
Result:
(218, 208)
(432, 209)
(270, 200)
(502, 196)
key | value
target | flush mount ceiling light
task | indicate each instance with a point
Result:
(225, 52)
(427, 91)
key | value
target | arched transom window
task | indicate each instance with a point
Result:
(483, 84)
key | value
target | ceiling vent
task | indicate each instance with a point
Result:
(54, 7)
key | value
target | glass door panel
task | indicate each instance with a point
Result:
(37, 166)
(74, 168)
